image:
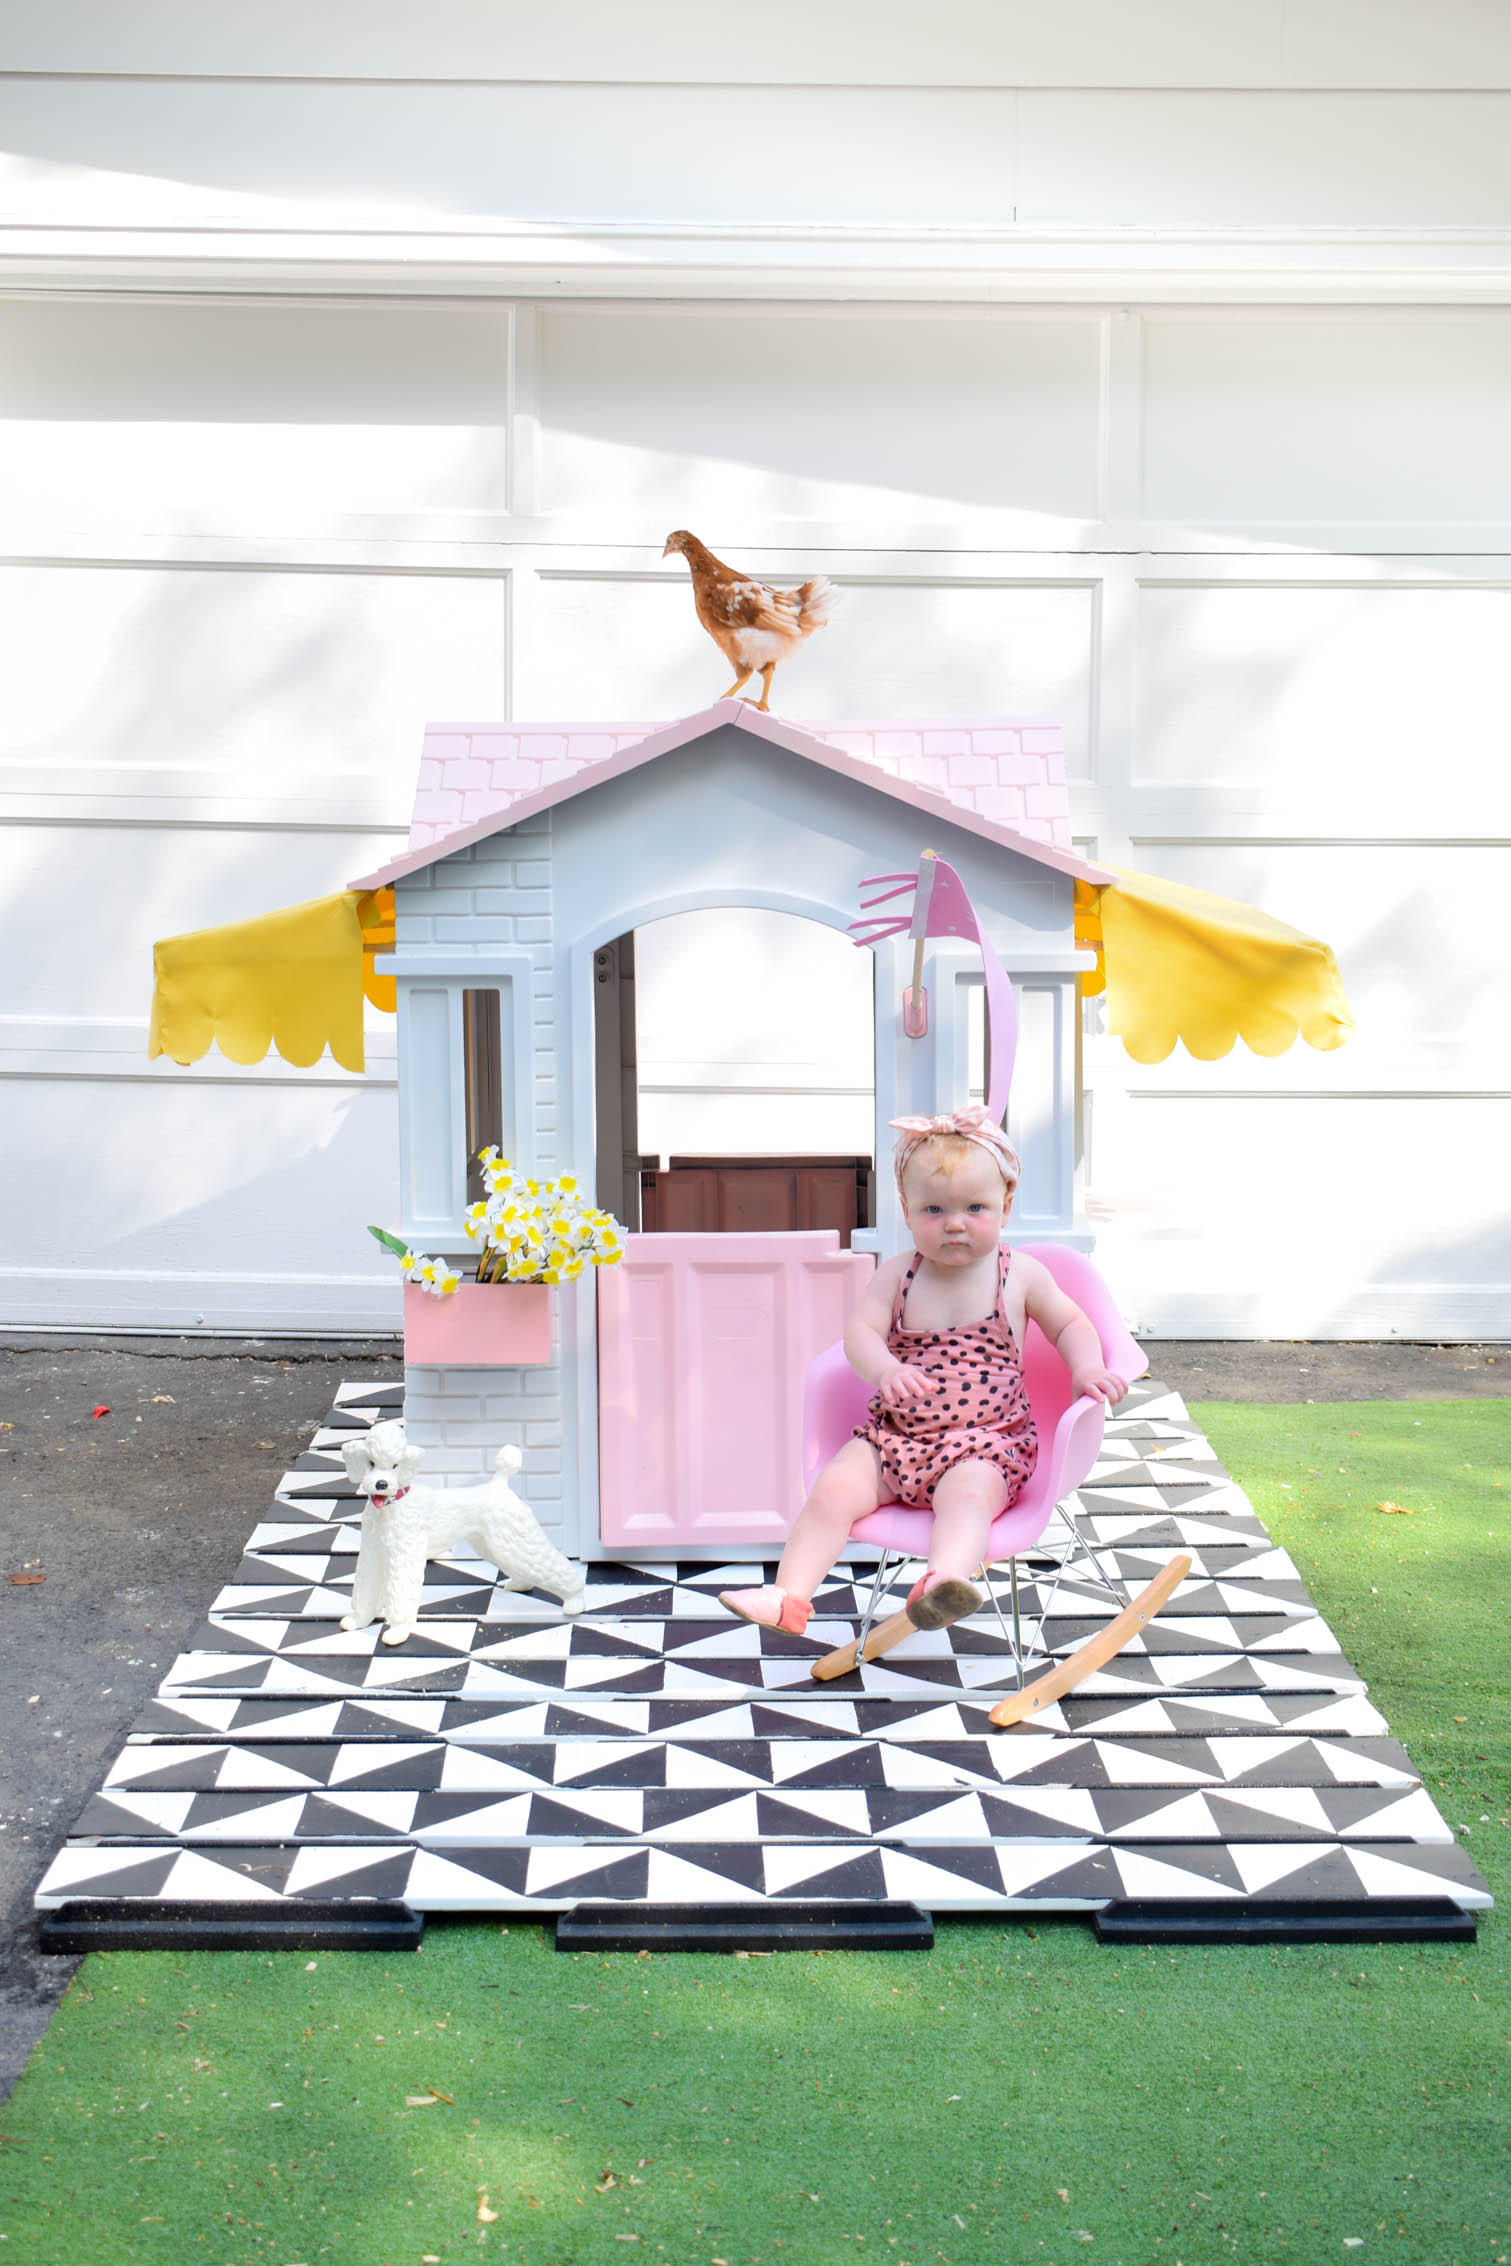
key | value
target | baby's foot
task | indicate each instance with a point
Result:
(935, 1600)
(769, 1608)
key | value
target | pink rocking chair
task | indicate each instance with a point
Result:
(835, 1400)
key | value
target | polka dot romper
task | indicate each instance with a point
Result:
(979, 1415)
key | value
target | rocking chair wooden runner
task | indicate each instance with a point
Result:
(1070, 1436)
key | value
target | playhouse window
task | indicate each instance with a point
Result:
(483, 1069)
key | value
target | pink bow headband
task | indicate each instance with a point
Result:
(971, 1124)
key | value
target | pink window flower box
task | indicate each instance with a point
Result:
(506, 1325)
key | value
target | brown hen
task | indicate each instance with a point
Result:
(753, 625)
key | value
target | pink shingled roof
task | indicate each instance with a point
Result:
(1001, 779)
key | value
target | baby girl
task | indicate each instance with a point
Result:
(938, 1334)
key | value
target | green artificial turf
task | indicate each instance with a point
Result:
(1019, 2095)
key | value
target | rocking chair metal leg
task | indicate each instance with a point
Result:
(1012, 1569)
(1011, 1637)
(1047, 1597)
(1081, 1548)
(877, 1586)
(847, 1657)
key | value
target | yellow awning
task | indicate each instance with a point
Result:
(1176, 963)
(293, 980)
(1179, 963)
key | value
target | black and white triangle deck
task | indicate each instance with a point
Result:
(656, 1750)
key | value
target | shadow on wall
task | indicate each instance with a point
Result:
(1459, 1263)
(242, 1178)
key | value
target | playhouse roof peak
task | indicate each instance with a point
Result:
(1000, 778)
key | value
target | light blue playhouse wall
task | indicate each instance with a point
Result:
(728, 820)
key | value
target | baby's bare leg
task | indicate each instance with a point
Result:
(844, 1491)
(966, 1501)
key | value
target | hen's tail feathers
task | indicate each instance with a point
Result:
(815, 602)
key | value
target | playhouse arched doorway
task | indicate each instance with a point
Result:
(736, 1069)
(735, 1089)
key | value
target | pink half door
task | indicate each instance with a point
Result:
(703, 1344)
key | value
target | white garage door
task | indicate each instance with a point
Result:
(1257, 561)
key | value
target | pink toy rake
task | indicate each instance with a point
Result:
(941, 907)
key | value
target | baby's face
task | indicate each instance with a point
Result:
(956, 1217)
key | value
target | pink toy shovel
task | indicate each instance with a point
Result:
(941, 907)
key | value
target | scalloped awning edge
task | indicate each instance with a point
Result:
(1181, 965)
(291, 980)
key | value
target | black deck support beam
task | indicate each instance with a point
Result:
(767, 1926)
(120, 1923)
(1380, 1919)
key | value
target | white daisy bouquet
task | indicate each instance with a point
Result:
(538, 1230)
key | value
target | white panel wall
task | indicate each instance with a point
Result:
(1098, 43)
(269, 420)
(1403, 420)
(353, 368)
(216, 682)
(90, 152)
(812, 417)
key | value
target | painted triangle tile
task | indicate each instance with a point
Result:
(1026, 1811)
(1267, 1867)
(915, 1767)
(479, 1820)
(135, 1817)
(513, 1868)
(673, 1877)
(1151, 1815)
(294, 1537)
(411, 1765)
(1208, 1863)
(852, 1878)
(248, 1817)
(355, 1811)
(1370, 1814)
(1394, 1869)
(363, 1871)
(1309, 1761)
(439, 1881)
(945, 1878)
(1151, 1762)
(1366, 1762)
(230, 1876)
(369, 1392)
(923, 1877)
(79, 1871)
(607, 1762)
(583, 1875)
(1082, 1881)
(750, 1764)
(704, 1817)
(1253, 1813)
(589, 1814)
(831, 1810)
(1157, 1874)
(1025, 1866)
(988, 1817)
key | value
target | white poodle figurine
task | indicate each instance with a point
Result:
(403, 1525)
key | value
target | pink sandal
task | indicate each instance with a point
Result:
(769, 1608)
(935, 1600)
